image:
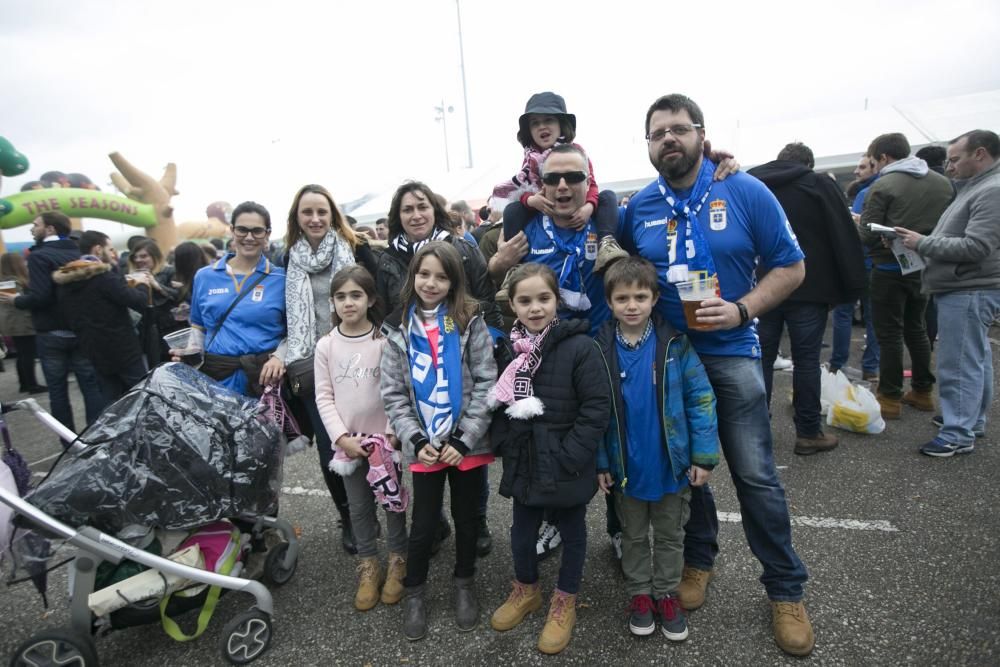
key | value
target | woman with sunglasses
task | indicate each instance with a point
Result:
(238, 308)
(318, 244)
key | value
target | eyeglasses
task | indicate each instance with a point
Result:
(572, 177)
(676, 130)
(240, 232)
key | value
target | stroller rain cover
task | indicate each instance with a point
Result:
(177, 451)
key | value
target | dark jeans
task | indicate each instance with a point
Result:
(806, 324)
(114, 386)
(524, 535)
(334, 482)
(898, 314)
(59, 356)
(428, 494)
(745, 435)
(26, 355)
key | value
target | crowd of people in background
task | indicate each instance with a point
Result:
(547, 330)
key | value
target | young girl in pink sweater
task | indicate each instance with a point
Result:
(350, 403)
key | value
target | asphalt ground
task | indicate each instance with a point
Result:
(903, 554)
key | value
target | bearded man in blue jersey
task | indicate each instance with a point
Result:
(688, 225)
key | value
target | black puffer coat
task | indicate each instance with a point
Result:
(551, 460)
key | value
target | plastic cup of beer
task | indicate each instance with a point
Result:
(180, 345)
(8, 287)
(692, 293)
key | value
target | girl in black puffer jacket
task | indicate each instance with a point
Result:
(554, 409)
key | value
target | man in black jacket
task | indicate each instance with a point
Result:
(821, 220)
(96, 301)
(58, 347)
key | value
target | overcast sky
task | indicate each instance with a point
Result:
(254, 99)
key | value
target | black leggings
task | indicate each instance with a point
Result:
(314, 423)
(25, 361)
(428, 494)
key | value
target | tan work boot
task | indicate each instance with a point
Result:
(694, 584)
(921, 400)
(792, 630)
(369, 583)
(608, 253)
(821, 442)
(392, 590)
(524, 599)
(559, 625)
(891, 407)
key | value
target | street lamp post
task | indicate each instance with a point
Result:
(465, 93)
(442, 117)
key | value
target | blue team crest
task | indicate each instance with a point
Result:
(717, 215)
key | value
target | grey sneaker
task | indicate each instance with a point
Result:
(641, 621)
(548, 539)
(608, 253)
(673, 620)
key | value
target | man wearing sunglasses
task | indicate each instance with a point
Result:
(689, 226)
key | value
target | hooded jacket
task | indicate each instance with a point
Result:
(551, 460)
(479, 372)
(821, 220)
(687, 405)
(40, 297)
(907, 194)
(963, 251)
(96, 300)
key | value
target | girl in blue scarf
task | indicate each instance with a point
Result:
(437, 369)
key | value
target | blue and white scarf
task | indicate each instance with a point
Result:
(687, 248)
(437, 388)
(572, 289)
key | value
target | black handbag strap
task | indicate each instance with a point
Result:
(243, 293)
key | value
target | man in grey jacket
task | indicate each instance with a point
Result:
(963, 274)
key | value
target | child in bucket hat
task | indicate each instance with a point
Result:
(546, 123)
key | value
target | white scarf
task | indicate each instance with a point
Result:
(334, 252)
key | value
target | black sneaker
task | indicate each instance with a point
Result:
(548, 539)
(938, 421)
(673, 620)
(484, 539)
(641, 621)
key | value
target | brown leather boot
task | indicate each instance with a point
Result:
(369, 583)
(392, 590)
(559, 625)
(524, 599)
(892, 408)
(694, 584)
(921, 400)
(792, 630)
(821, 442)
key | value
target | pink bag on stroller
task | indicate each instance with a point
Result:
(385, 475)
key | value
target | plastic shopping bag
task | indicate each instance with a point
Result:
(849, 407)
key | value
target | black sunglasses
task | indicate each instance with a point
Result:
(572, 177)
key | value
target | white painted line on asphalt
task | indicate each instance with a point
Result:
(301, 491)
(728, 517)
(47, 458)
(824, 522)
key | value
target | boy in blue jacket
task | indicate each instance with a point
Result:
(663, 436)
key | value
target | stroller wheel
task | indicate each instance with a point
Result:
(246, 637)
(58, 646)
(274, 566)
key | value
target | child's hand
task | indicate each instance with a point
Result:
(727, 164)
(605, 481)
(582, 216)
(450, 455)
(698, 476)
(428, 455)
(538, 202)
(351, 445)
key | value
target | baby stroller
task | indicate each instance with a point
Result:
(177, 452)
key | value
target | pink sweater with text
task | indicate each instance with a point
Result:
(347, 384)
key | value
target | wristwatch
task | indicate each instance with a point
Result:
(744, 315)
